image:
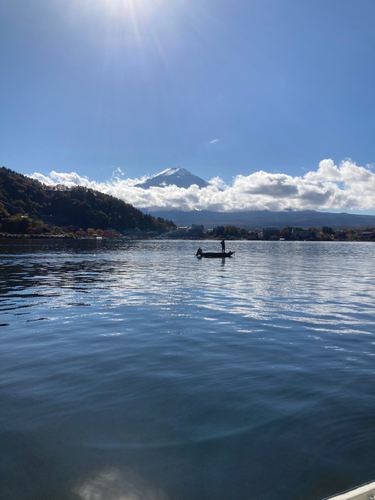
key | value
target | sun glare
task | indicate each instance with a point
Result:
(135, 6)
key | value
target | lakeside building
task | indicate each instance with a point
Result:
(134, 231)
(302, 233)
(268, 232)
(295, 233)
(195, 231)
(366, 235)
(180, 232)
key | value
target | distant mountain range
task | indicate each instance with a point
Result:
(264, 218)
(84, 207)
(251, 220)
(179, 177)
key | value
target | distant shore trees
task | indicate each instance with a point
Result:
(293, 234)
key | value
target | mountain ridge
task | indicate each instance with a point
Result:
(180, 177)
(62, 206)
(258, 219)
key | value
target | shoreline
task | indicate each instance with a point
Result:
(8, 236)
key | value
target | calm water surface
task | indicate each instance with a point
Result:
(135, 370)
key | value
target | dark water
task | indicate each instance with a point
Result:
(134, 370)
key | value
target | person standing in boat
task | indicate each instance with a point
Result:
(223, 246)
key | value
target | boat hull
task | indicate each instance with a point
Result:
(214, 255)
(364, 492)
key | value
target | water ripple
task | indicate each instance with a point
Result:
(114, 354)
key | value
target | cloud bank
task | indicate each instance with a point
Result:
(331, 187)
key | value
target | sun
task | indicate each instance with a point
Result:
(135, 6)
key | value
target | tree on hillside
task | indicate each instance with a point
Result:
(218, 231)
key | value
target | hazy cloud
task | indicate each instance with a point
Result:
(331, 187)
(118, 171)
(215, 140)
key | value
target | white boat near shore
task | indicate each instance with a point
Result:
(364, 492)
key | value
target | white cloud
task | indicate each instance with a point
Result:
(118, 171)
(331, 187)
(217, 182)
(215, 140)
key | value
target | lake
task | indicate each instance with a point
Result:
(134, 370)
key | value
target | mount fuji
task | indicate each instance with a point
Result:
(179, 177)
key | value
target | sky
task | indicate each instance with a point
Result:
(272, 100)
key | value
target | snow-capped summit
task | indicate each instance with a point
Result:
(179, 177)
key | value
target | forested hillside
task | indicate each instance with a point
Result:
(25, 201)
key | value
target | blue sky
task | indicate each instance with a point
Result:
(221, 88)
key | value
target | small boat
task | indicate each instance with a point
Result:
(364, 492)
(213, 255)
